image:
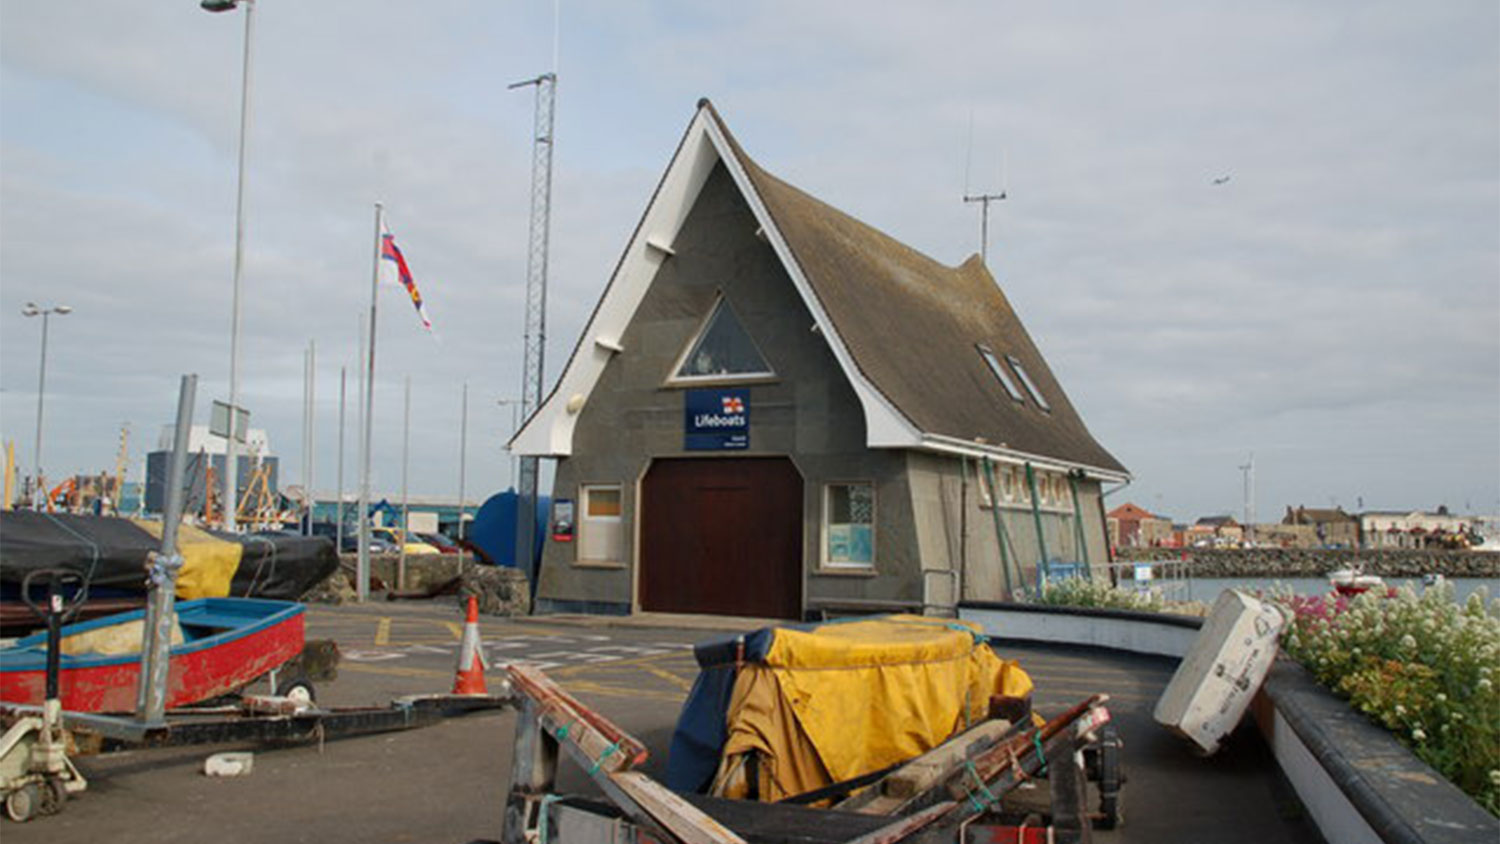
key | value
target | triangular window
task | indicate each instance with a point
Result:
(722, 350)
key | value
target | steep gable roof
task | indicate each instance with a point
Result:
(1130, 511)
(904, 328)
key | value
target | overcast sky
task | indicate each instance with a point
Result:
(1334, 308)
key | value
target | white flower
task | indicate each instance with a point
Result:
(1400, 710)
(1418, 735)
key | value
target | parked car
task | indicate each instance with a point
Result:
(397, 540)
(349, 542)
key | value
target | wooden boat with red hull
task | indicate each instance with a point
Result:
(220, 645)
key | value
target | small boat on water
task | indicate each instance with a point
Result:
(219, 646)
(1353, 581)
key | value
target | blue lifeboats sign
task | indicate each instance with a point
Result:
(715, 420)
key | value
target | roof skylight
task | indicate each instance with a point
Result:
(1031, 387)
(1000, 375)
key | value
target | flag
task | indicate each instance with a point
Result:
(389, 251)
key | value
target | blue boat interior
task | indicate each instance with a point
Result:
(204, 622)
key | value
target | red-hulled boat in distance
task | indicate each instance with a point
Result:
(1353, 581)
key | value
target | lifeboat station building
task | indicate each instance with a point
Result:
(777, 411)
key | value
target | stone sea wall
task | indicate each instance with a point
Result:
(1306, 562)
(500, 590)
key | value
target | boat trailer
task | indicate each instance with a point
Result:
(993, 783)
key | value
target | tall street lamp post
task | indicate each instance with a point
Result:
(39, 494)
(231, 450)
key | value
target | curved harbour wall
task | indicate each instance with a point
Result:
(1308, 562)
(1357, 782)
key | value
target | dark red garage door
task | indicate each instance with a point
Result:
(722, 536)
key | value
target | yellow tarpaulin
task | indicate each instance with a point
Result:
(208, 563)
(849, 698)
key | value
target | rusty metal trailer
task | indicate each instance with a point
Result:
(993, 783)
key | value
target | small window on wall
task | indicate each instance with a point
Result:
(1008, 483)
(982, 483)
(721, 351)
(849, 525)
(600, 534)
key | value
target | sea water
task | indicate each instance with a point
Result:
(1207, 589)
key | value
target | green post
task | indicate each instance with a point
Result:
(1043, 569)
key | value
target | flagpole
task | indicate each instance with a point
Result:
(312, 430)
(338, 526)
(463, 454)
(405, 512)
(362, 571)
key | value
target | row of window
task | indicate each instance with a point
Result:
(848, 525)
(848, 514)
(1052, 488)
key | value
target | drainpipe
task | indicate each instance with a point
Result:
(1000, 538)
(1036, 515)
(1109, 550)
(963, 527)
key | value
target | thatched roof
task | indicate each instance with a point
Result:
(905, 328)
(913, 327)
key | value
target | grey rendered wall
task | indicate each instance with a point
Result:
(955, 533)
(807, 412)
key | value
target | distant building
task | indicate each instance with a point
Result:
(1418, 529)
(1132, 526)
(1334, 528)
(1216, 531)
(1287, 536)
(256, 475)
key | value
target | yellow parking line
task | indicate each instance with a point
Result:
(458, 632)
(582, 687)
(383, 631)
(668, 676)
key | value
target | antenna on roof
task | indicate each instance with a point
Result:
(984, 199)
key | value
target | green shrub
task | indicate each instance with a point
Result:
(1427, 668)
(1082, 592)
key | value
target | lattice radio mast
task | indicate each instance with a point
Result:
(532, 364)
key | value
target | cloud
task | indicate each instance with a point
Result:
(1334, 307)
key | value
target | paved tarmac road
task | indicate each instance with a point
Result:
(447, 783)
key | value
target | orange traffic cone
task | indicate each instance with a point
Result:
(469, 679)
